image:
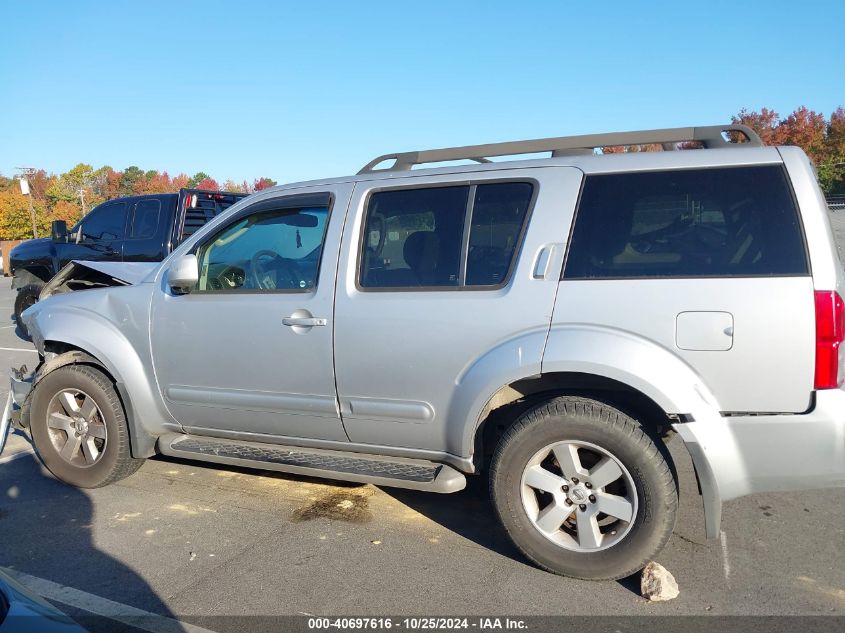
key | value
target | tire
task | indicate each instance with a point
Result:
(27, 296)
(525, 465)
(79, 428)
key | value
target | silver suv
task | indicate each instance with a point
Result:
(547, 322)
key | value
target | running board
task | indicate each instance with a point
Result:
(398, 472)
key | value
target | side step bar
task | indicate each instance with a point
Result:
(398, 472)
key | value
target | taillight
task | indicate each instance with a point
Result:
(830, 331)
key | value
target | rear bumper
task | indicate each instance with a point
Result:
(740, 455)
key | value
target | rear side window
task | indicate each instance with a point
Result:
(145, 219)
(413, 237)
(725, 222)
(443, 236)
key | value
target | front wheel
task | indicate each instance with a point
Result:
(583, 490)
(27, 296)
(79, 428)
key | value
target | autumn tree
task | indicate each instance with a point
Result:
(180, 182)
(57, 196)
(263, 183)
(764, 122)
(231, 185)
(8, 184)
(822, 140)
(68, 211)
(15, 220)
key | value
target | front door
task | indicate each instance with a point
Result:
(249, 350)
(98, 236)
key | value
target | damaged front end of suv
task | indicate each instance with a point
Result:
(82, 275)
(75, 276)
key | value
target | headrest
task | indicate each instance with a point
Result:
(421, 250)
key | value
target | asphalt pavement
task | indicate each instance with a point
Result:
(183, 540)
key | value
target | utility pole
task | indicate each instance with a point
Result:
(82, 200)
(26, 173)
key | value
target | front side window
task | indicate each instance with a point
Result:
(737, 221)
(271, 250)
(415, 238)
(106, 223)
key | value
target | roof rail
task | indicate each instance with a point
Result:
(710, 136)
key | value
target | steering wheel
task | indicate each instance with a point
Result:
(286, 272)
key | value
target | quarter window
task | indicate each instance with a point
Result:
(145, 219)
(415, 238)
(272, 250)
(737, 221)
(498, 215)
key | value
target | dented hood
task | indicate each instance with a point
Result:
(127, 272)
(79, 275)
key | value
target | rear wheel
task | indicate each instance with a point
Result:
(79, 428)
(27, 296)
(583, 490)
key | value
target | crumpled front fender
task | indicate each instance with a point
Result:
(113, 330)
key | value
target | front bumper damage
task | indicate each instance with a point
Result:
(20, 386)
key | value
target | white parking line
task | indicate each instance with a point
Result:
(104, 607)
(17, 349)
(726, 564)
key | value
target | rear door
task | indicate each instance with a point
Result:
(437, 273)
(707, 262)
(148, 228)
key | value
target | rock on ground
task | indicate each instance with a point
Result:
(657, 584)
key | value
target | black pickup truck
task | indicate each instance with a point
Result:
(135, 229)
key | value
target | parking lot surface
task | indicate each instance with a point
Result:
(184, 539)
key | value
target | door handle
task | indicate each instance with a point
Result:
(304, 321)
(546, 261)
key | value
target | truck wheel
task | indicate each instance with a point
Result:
(79, 428)
(583, 490)
(27, 296)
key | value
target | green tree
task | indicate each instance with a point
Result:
(198, 178)
(129, 179)
(67, 186)
(834, 168)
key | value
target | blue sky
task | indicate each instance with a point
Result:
(298, 90)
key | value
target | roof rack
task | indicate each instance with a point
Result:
(710, 136)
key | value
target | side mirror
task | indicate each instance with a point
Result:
(183, 274)
(59, 230)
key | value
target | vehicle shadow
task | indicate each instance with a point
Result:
(468, 513)
(47, 530)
